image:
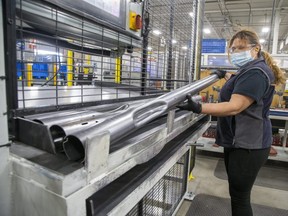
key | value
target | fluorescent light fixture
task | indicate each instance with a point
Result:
(174, 41)
(206, 31)
(281, 45)
(265, 29)
(156, 32)
(149, 48)
(46, 52)
(191, 14)
(261, 40)
(185, 47)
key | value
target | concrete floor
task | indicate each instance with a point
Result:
(206, 183)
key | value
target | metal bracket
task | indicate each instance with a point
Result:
(3, 77)
(195, 144)
(189, 196)
(97, 152)
(6, 145)
(170, 120)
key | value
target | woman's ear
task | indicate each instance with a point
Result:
(256, 51)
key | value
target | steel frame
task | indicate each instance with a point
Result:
(60, 191)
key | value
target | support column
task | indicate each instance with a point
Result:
(70, 68)
(192, 45)
(5, 180)
(170, 46)
(199, 35)
(55, 77)
(118, 70)
(276, 32)
(145, 34)
(29, 75)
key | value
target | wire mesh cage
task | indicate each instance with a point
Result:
(166, 195)
(171, 47)
(69, 59)
(66, 57)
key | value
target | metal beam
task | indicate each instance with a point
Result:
(271, 24)
(245, 10)
(5, 182)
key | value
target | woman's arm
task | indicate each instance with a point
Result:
(237, 104)
(227, 76)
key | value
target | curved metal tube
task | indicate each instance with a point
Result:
(133, 118)
(66, 125)
(67, 117)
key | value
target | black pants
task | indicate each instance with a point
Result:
(242, 166)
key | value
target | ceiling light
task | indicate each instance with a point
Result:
(191, 14)
(46, 52)
(156, 32)
(149, 48)
(185, 47)
(281, 45)
(207, 31)
(174, 41)
(265, 29)
(262, 40)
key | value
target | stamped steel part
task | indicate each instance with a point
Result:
(68, 131)
(65, 185)
(133, 118)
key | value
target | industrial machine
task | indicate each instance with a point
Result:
(107, 148)
(102, 160)
(120, 22)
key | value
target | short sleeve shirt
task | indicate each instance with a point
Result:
(252, 84)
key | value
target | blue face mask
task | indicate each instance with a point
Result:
(241, 58)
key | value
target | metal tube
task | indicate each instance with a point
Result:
(133, 118)
(61, 124)
(60, 118)
(59, 131)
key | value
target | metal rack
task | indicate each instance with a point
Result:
(64, 58)
(62, 61)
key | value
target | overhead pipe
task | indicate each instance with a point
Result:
(242, 2)
(133, 118)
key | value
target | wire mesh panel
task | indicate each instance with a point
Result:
(165, 196)
(63, 58)
(170, 42)
(66, 57)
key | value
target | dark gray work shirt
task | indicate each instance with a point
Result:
(250, 129)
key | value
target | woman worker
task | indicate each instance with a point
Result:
(243, 124)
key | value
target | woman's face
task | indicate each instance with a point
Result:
(239, 45)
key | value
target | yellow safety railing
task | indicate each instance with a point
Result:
(118, 70)
(70, 68)
(29, 75)
(55, 74)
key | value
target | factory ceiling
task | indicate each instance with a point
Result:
(225, 17)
